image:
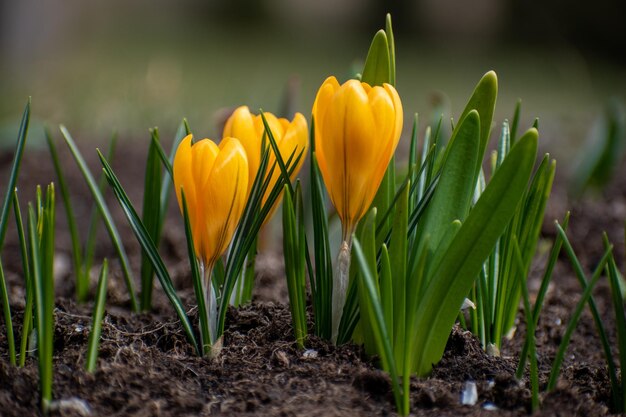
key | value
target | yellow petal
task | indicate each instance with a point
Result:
(241, 125)
(224, 198)
(357, 128)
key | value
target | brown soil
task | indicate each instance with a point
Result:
(147, 368)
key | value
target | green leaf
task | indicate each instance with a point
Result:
(15, 170)
(98, 314)
(455, 188)
(293, 245)
(151, 216)
(27, 322)
(465, 256)
(392, 50)
(366, 233)
(106, 215)
(196, 278)
(483, 100)
(148, 245)
(8, 321)
(82, 280)
(571, 326)
(620, 322)
(398, 263)
(377, 69)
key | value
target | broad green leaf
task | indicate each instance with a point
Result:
(377, 69)
(455, 274)
(455, 188)
(483, 100)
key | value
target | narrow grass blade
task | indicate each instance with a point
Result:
(377, 320)
(571, 326)
(6, 311)
(293, 244)
(47, 286)
(580, 275)
(148, 245)
(196, 278)
(27, 323)
(543, 289)
(151, 217)
(94, 217)
(515, 121)
(321, 280)
(98, 313)
(82, 279)
(620, 324)
(530, 330)
(106, 215)
(15, 170)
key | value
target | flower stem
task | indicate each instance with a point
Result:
(340, 283)
(213, 346)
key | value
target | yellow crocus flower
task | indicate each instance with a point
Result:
(357, 129)
(290, 137)
(215, 182)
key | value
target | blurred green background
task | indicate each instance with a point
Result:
(104, 66)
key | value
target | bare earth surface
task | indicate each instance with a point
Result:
(147, 368)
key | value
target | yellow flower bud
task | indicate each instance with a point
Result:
(290, 136)
(215, 181)
(357, 129)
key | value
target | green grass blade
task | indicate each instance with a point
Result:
(98, 314)
(47, 253)
(580, 275)
(543, 289)
(571, 326)
(166, 183)
(321, 280)
(151, 216)
(94, 218)
(27, 323)
(620, 324)
(106, 215)
(6, 311)
(82, 279)
(293, 239)
(148, 245)
(377, 320)
(398, 259)
(530, 330)
(196, 278)
(15, 170)
(469, 249)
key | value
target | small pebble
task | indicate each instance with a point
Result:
(490, 407)
(469, 396)
(310, 354)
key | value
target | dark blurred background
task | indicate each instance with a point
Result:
(103, 66)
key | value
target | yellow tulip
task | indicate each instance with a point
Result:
(215, 182)
(290, 137)
(357, 129)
